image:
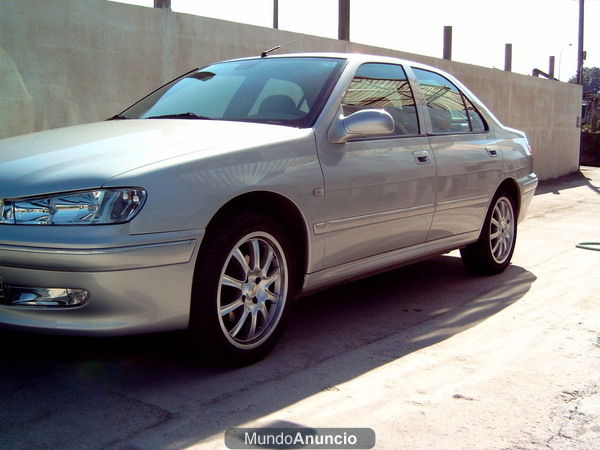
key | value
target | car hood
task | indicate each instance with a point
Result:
(86, 156)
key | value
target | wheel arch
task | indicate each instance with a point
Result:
(511, 187)
(280, 208)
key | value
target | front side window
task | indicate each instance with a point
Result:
(285, 91)
(383, 86)
(450, 111)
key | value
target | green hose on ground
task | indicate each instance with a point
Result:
(589, 246)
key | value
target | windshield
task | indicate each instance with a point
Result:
(286, 91)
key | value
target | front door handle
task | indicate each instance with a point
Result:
(491, 151)
(422, 157)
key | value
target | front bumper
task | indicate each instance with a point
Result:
(134, 283)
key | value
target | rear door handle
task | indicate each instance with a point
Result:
(422, 157)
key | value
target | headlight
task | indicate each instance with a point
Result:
(101, 206)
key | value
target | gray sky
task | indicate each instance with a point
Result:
(536, 28)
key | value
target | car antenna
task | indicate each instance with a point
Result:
(277, 47)
(266, 53)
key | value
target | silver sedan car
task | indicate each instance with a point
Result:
(212, 202)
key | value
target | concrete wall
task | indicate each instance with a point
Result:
(75, 61)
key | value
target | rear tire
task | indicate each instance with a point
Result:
(243, 282)
(493, 251)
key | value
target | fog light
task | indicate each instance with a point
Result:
(46, 297)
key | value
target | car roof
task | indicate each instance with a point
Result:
(352, 57)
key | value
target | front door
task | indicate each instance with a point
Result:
(379, 192)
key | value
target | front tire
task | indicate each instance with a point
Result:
(242, 284)
(493, 251)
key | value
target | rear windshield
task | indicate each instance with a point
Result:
(285, 91)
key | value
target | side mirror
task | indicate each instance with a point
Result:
(361, 124)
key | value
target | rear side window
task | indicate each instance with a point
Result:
(450, 111)
(383, 86)
(477, 123)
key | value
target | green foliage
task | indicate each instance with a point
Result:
(591, 79)
(587, 128)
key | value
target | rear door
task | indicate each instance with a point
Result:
(469, 163)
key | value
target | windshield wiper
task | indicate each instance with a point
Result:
(118, 117)
(187, 115)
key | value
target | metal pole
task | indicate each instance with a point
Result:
(163, 4)
(560, 59)
(344, 20)
(551, 67)
(508, 57)
(580, 45)
(276, 14)
(447, 42)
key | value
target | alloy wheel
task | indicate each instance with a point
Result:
(252, 290)
(502, 230)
